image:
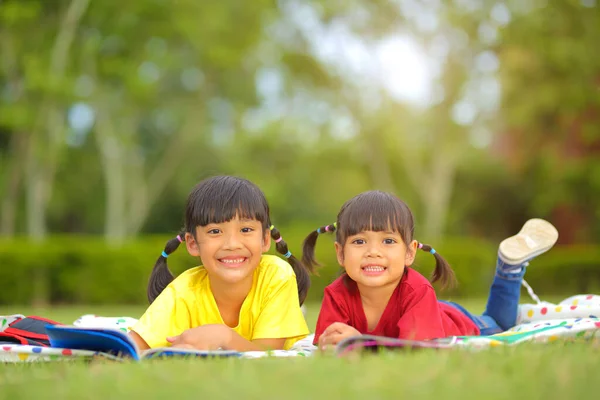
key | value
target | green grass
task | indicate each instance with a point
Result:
(553, 371)
(530, 372)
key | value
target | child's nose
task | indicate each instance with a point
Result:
(373, 250)
(232, 241)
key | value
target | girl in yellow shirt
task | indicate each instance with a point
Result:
(238, 299)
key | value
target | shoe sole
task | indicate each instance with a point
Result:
(536, 237)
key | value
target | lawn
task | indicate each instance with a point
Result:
(552, 371)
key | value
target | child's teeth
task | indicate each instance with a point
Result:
(374, 268)
(237, 261)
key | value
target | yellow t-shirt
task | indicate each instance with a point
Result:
(270, 311)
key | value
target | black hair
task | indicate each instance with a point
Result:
(376, 211)
(216, 200)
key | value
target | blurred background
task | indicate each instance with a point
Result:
(479, 114)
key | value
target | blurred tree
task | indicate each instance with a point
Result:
(551, 111)
(410, 150)
(35, 65)
(112, 111)
(165, 94)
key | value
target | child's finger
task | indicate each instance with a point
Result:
(335, 338)
(173, 339)
(335, 327)
(324, 340)
(321, 341)
(330, 340)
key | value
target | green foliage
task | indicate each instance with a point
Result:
(85, 270)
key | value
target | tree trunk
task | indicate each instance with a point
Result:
(437, 196)
(112, 153)
(375, 155)
(146, 192)
(36, 191)
(47, 141)
(14, 172)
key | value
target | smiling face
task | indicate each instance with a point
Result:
(375, 259)
(374, 238)
(230, 251)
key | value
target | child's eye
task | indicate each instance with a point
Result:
(247, 230)
(214, 231)
(358, 241)
(389, 241)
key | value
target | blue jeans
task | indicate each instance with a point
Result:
(501, 311)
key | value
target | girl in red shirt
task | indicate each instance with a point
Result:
(379, 294)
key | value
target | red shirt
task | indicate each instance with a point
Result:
(413, 311)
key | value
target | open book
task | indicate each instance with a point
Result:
(548, 331)
(371, 342)
(119, 344)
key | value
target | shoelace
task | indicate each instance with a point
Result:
(531, 292)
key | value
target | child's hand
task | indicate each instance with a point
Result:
(205, 337)
(335, 333)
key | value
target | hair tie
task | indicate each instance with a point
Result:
(326, 228)
(179, 238)
(319, 230)
(335, 225)
(288, 254)
(272, 227)
(278, 240)
(165, 255)
(420, 245)
(432, 251)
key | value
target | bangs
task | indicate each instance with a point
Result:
(223, 198)
(375, 211)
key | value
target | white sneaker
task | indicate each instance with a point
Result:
(536, 237)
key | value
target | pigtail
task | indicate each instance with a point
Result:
(308, 247)
(161, 275)
(443, 272)
(300, 269)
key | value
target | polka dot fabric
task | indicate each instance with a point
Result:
(20, 353)
(579, 306)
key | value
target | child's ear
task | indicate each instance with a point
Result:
(411, 252)
(267, 241)
(192, 245)
(339, 252)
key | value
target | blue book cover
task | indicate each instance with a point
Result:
(118, 343)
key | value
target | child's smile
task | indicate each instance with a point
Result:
(373, 269)
(233, 261)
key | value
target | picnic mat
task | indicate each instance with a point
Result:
(574, 317)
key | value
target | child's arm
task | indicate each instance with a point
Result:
(140, 343)
(213, 337)
(168, 315)
(241, 344)
(332, 311)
